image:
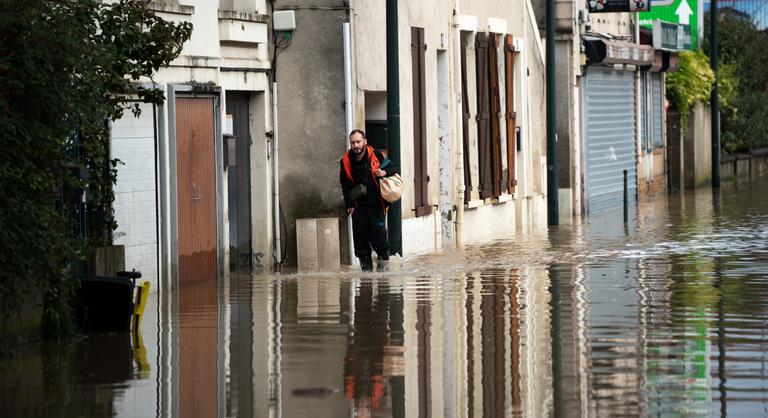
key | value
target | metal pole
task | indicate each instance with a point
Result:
(552, 198)
(394, 217)
(714, 98)
(626, 198)
(276, 178)
(348, 116)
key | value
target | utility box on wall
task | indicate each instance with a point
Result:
(317, 245)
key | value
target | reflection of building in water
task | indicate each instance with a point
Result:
(480, 346)
(198, 350)
(677, 349)
(312, 348)
(371, 357)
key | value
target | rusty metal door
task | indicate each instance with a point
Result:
(196, 185)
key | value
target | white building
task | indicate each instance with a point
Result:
(192, 193)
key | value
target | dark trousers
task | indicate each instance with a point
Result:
(369, 229)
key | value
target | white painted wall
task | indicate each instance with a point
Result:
(133, 142)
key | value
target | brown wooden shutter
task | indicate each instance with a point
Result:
(483, 116)
(495, 116)
(511, 116)
(465, 122)
(421, 175)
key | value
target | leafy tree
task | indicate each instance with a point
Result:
(691, 83)
(743, 56)
(66, 70)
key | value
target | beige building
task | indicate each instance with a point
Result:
(192, 193)
(472, 152)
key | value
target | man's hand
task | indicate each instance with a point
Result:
(380, 173)
(350, 210)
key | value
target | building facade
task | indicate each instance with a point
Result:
(192, 193)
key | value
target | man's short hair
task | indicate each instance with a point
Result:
(357, 131)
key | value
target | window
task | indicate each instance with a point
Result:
(488, 116)
(421, 189)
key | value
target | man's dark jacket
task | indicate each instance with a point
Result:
(361, 173)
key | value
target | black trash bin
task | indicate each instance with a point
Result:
(106, 303)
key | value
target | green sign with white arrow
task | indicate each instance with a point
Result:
(683, 12)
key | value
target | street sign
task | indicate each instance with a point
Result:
(683, 12)
(617, 6)
(671, 36)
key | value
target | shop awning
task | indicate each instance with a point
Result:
(603, 51)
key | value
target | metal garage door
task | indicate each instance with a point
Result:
(658, 108)
(609, 136)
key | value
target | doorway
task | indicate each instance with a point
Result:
(196, 188)
(239, 182)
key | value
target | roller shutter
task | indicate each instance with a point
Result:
(609, 130)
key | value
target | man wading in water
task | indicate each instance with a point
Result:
(361, 169)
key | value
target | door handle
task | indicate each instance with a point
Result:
(195, 194)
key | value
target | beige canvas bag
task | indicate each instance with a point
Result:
(391, 187)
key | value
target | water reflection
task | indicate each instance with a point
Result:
(665, 315)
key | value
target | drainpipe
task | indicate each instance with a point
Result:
(459, 130)
(276, 175)
(394, 218)
(348, 115)
(552, 203)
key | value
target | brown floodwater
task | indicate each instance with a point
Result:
(662, 316)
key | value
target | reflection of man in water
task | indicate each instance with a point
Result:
(364, 364)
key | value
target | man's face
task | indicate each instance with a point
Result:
(357, 143)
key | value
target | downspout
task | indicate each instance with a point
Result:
(276, 174)
(395, 216)
(348, 108)
(278, 255)
(458, 119)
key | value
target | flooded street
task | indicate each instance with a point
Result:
(664, 316)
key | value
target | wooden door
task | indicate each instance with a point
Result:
(196, 182)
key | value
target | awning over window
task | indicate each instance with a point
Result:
(603, 51)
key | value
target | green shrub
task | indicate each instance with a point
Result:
(691, 83)
(66, 69)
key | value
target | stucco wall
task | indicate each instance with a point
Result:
(310, 76)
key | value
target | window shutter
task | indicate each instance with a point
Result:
(465, 121)
(421, 176)
(511, 116)
(495, 116)
(483, 116)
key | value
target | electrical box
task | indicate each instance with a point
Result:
(284, 20)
